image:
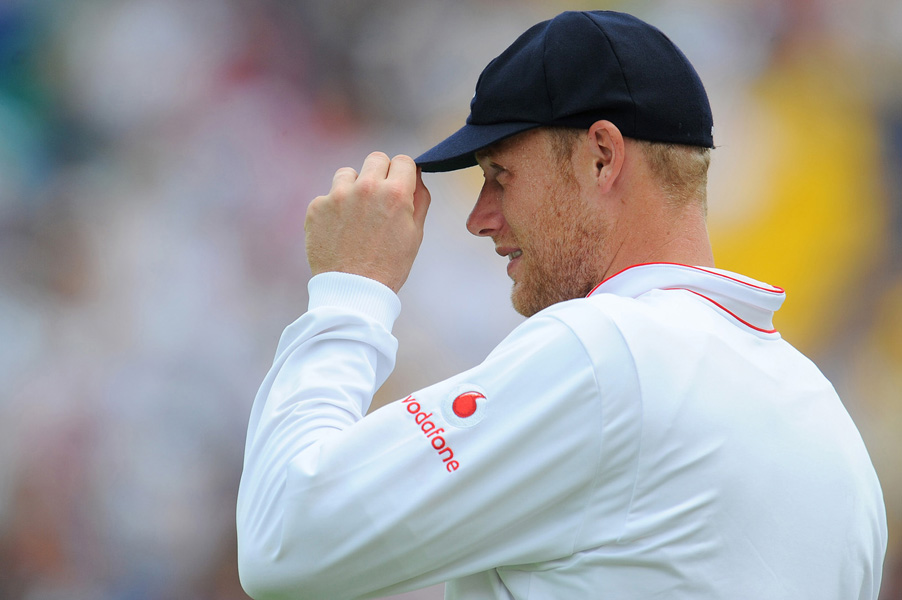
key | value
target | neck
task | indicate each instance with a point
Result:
(656, 235)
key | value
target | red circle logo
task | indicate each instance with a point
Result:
(465, 405)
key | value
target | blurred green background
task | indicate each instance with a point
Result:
(156, 160)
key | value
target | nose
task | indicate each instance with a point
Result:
(486, 219)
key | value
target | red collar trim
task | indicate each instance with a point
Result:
(772, 289)
(726, 310)
(749, 302)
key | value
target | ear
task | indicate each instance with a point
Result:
(608, 150)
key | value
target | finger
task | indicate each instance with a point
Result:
(403, 169)
(403, 173)
(421, 200)
(343, 176)
(375, 166)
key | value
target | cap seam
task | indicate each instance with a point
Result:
(620, 64)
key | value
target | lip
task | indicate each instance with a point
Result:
(512, 266)
(512, 262)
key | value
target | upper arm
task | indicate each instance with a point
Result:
(413, 494)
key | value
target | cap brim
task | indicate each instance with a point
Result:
(458, 150)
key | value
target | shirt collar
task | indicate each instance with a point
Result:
(746, 300)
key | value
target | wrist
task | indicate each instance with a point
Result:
(354, 293)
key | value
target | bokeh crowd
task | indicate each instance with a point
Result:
(156, 160)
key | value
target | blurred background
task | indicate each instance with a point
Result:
(156, 160)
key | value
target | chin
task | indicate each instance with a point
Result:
(527, 303)
(520, 302)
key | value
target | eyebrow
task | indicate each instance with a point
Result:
(494, 149)
(483, 154)
(490, 165)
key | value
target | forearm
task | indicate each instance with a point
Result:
(327, 367)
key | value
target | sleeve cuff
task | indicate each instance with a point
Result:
(356, 293)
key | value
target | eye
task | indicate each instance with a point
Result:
(499, 173)
(492, 172)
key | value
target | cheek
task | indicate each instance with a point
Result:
(530, 208)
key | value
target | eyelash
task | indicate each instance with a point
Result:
(494, 171)
(493, 179)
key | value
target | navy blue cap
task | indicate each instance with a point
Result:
(574, 70)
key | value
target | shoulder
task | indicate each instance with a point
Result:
(592, 320)
(583, 331)
(568, 322)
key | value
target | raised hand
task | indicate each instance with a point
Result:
(371, 223)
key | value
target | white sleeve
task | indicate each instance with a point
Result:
(335, 505)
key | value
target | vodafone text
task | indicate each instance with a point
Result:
(429, 430)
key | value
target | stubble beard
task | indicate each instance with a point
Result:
(560, 262)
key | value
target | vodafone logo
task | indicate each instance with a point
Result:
(465, 406)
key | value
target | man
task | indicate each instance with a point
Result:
(645, 433)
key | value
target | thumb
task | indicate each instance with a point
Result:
(421, 200)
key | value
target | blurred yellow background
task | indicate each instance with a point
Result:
(156, 159)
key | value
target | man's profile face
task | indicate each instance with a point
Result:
(532, 207)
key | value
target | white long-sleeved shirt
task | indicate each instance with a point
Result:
(657, 439)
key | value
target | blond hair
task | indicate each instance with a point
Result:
(682, 171)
